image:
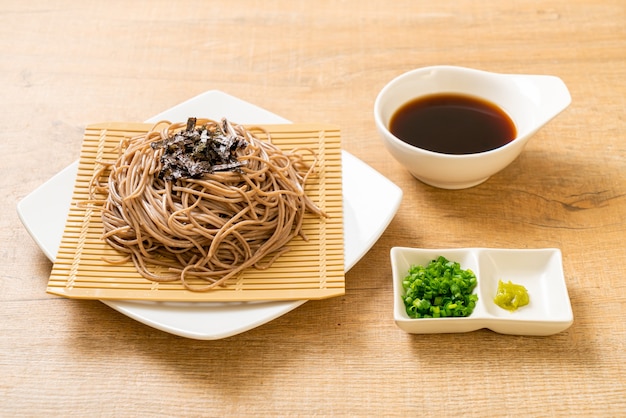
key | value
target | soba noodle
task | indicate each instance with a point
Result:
(211, 227)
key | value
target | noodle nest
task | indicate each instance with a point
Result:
(206, 229)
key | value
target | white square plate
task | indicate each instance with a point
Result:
(539, 270)
(370, 203)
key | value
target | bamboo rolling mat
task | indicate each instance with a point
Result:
(312, 269)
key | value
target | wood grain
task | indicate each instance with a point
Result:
(65, 65)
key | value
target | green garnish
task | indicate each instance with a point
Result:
(511, 296)
(441, 289)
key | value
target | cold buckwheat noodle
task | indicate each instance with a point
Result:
(206, 228)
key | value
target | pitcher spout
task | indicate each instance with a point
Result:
(548, 95)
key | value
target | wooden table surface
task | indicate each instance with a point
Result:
(66, 64)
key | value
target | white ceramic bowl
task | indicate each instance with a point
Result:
(540, 271)
(530, 100)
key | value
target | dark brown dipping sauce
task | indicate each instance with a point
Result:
(452, 124)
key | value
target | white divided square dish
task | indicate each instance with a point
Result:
(370, 203)
(540, 271)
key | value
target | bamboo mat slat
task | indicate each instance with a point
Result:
(312, 269)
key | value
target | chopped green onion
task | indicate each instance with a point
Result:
(441, 289)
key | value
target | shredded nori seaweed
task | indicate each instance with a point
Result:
(199, 150)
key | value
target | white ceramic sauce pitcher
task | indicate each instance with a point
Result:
(530, 100)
